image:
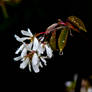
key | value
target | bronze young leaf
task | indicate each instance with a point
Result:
(53, 41)
(77, 22)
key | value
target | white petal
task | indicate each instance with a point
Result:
(36, 68)
(31, 35)
(25, 38)
(35, 44)
(24, 63)
(19, 49)
(26, 33)
(40, 64)
(43, 60)
(17, 58)
(18, 38)
(49, 51)
(21, 39)
(35, 59)
(29, 65)
(24, 52)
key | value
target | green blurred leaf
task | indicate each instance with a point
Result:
(62, 39)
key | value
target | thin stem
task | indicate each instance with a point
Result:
(45, 33)
(40, 33)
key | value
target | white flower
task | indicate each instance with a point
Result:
(31, 53)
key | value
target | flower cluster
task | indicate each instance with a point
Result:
(34, 53)
(42, 45)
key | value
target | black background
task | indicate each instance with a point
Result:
(38, 15)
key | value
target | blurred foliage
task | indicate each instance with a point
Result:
(71, 85)
(5, 18)
(9, 2)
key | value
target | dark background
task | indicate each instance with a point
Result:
(38, 15)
